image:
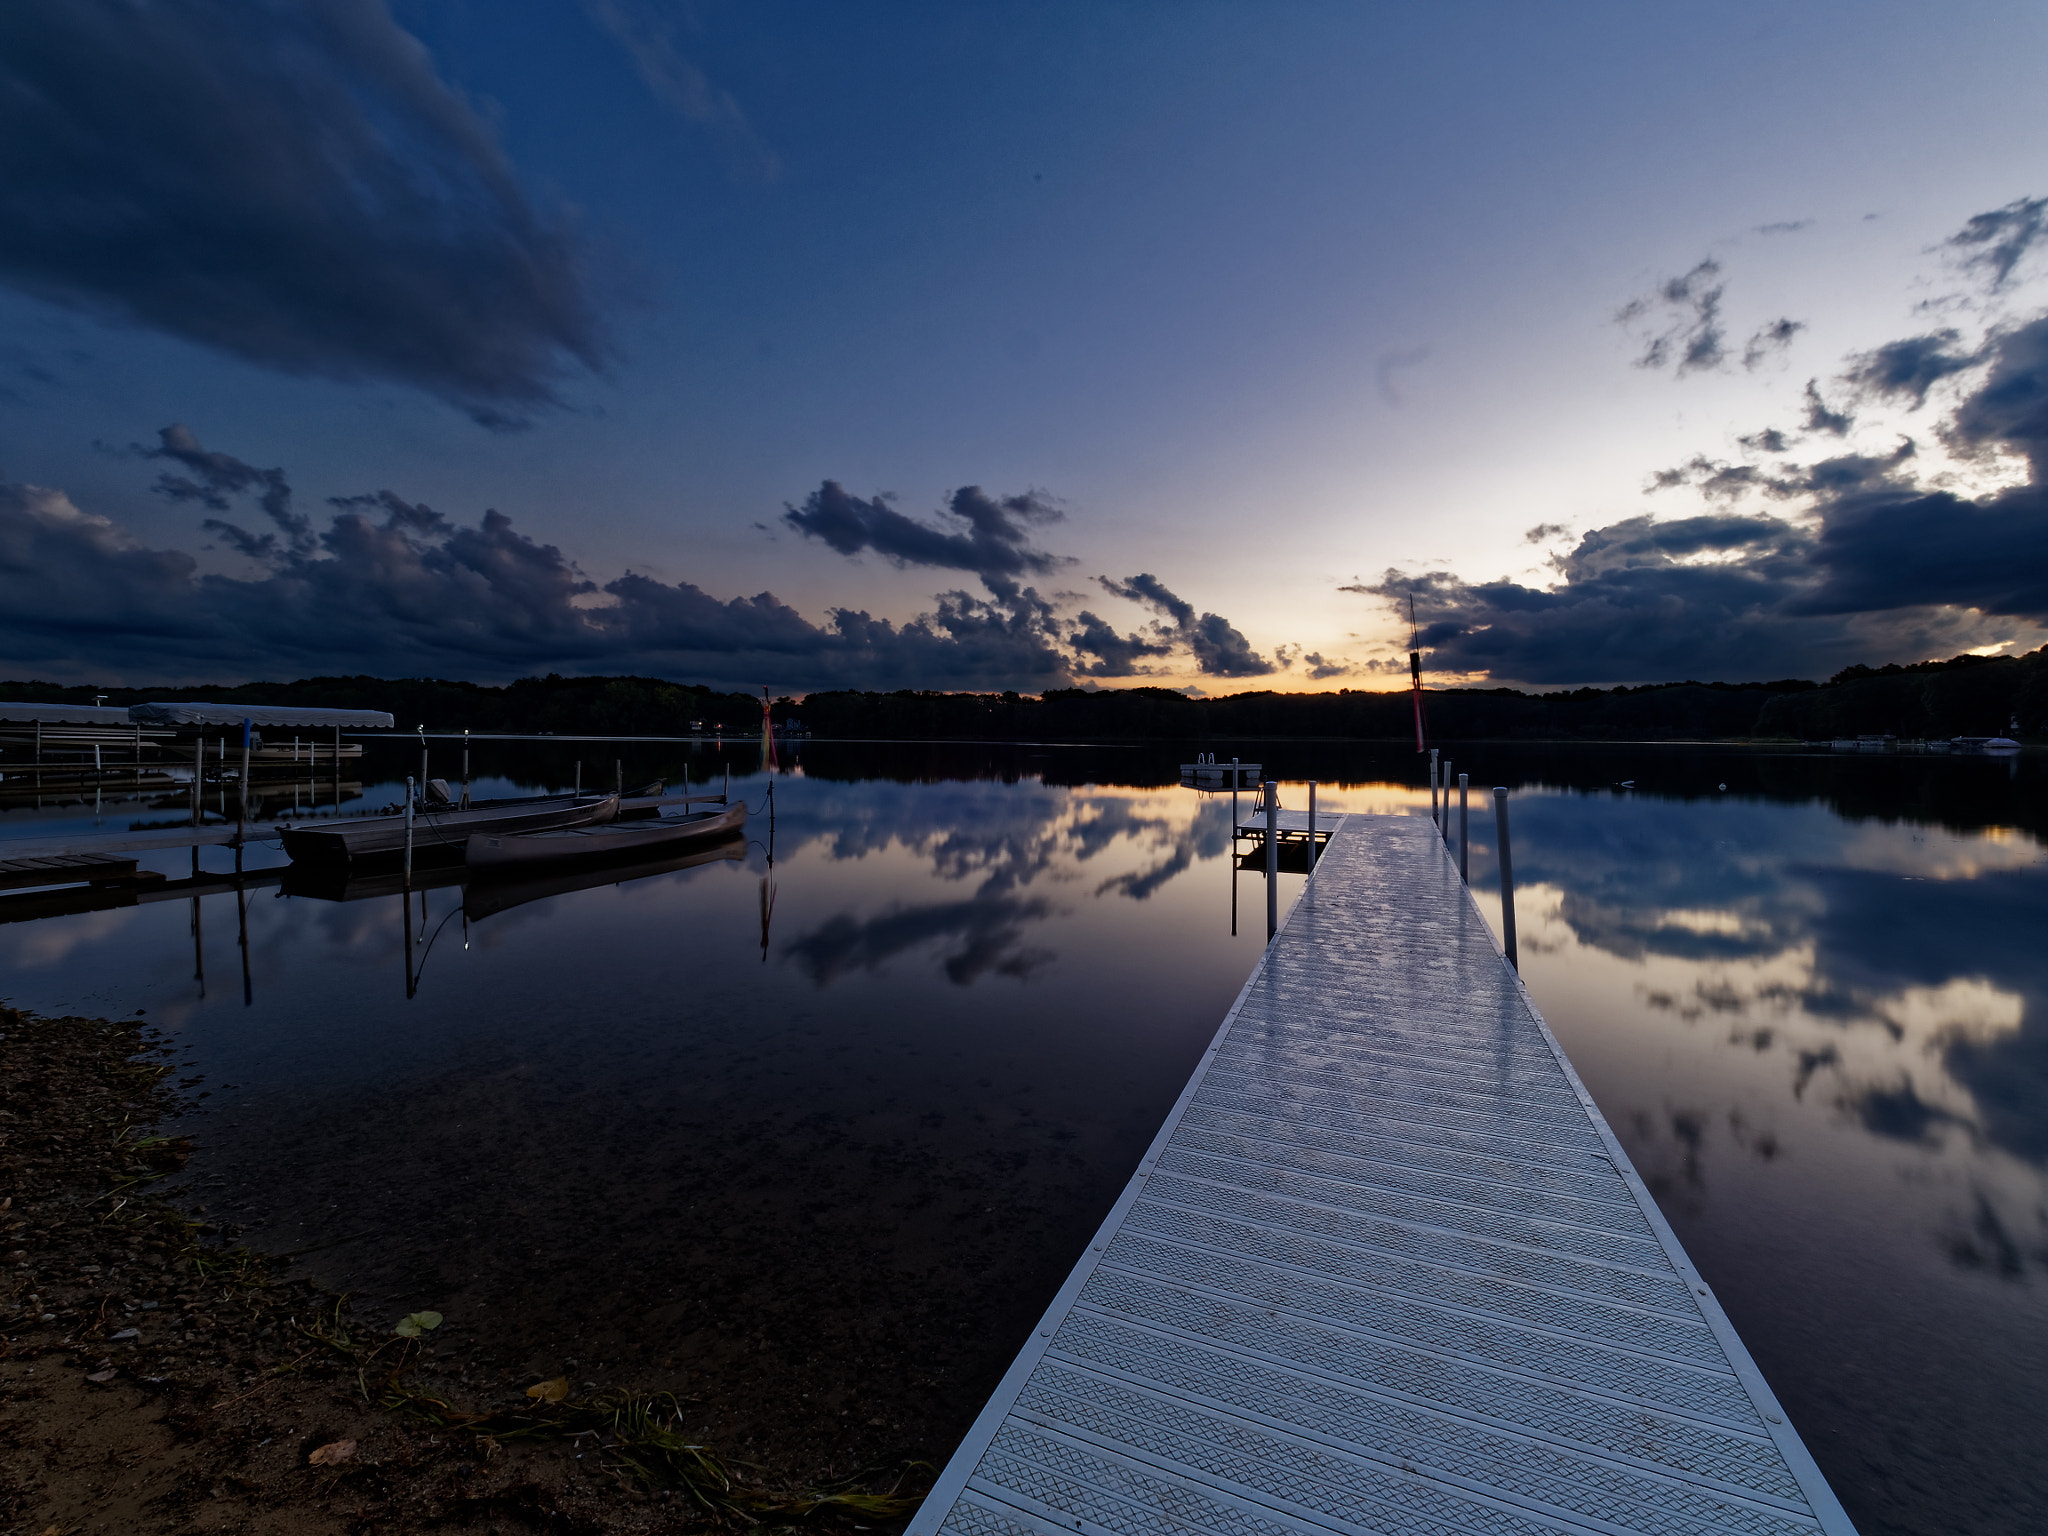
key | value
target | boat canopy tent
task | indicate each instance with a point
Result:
(63, 714)
(262, 715)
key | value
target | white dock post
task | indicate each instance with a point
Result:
(1311, 823)
(1233, 804)
(408, 849)
(1432, 783)
(1464, 832)
(1444, 823)
(1507, 876)
(1272, 790)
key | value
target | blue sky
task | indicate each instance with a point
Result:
(1289, 309)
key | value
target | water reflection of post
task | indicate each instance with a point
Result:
(768, 879)
(405, 908)
(198, 942)
(242, 921)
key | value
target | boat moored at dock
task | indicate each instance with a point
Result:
(439, 832)
(510, 852)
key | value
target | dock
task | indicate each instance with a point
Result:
(1384, 1269)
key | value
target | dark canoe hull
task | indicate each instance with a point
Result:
(494, 853)
(483, 898)
(438, 835)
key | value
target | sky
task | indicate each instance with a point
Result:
(1020, 345)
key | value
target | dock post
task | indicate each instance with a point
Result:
(1507, 876)
(577, 793)
(465, 768)
(1444, 822)
(619, 777)
(408, 848)
(1311, 823)
(1272, 790)
(337, 770)
(1432, 782)
(1464, 832)
(242, 796)
(1234, 777)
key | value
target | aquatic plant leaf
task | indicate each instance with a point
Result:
(332, 1454)
(549, 1391)
(413, 1324)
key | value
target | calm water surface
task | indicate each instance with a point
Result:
(814, 1140)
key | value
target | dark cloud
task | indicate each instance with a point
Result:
(286, 181)
(1820, 418)
(1319, 668)
(1769, 341)
(1784, 227)
(1115, 655)
(1543, 533)
(1769, 440)
(1997, 240)
(1219, 649)
(2011, 407)
(397, 588)
(984, 936)
(1906, 369)
(217, 476)
(1682, 319)
(990, 537)
(1875, 566)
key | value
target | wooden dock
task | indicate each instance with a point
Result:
(1384, 1269)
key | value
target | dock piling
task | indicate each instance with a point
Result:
(408, 842)
(465, 766)
(1272, 792)
(1311, 823)
(1464, 832)
(1444, 822)
(1507, 876)
(1432, 783)
(242, 791)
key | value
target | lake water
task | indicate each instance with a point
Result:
(813, 1141)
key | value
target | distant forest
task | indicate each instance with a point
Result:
(1966, 696)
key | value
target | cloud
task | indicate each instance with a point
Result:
(1543, 533)
(649, 40)
(221, 475)
(1784, 227)
(1683, 317)
(397, 588)
(1769, 341)
(992, 541)
(1997, 240)
(1906, 369)
(1219, 649)
(1875, 564)
(288, 182)
(1820, 418)
(1319, 668)
(1115, 655)
(985, 937)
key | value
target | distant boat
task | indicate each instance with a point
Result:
(438, 832)
(492, 852)
(1986, 744)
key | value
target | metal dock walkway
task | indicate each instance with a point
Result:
(1385, 1269)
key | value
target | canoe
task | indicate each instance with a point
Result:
(438, 833)
(491, 852)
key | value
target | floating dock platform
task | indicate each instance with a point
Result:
(1385, 1269)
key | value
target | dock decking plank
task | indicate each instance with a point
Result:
(1385, 1269)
